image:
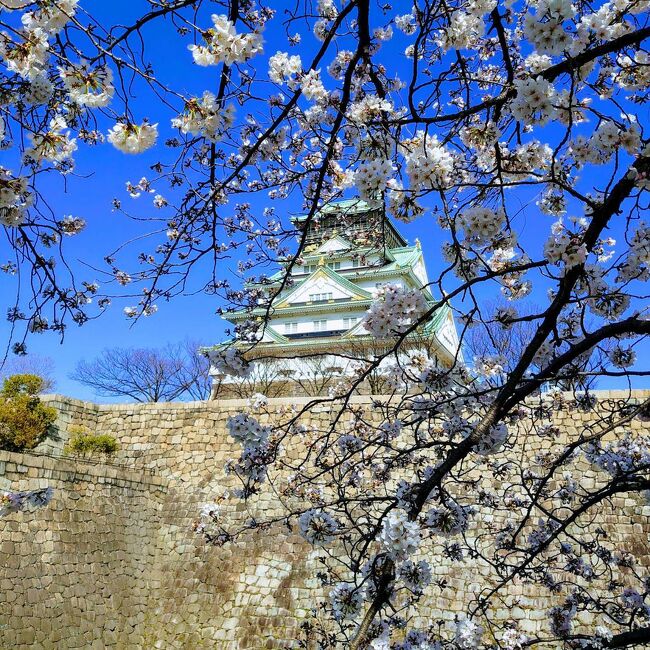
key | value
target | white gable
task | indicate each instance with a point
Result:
(359, 329)
(448, 336)
(336, 243)
(317, 286)
(420, 272)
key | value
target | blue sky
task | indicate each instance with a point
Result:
(101, 175)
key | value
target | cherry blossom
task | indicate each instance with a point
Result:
(133, 138)
(223, 44)
(394, 310)
(318, 528)
(399, 537)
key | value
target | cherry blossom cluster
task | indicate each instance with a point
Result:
(394, 310)
(346, 601)
(621, 457)
(449, 520)
(208, 515)
(17, 501)
(489, 365)
(468, 634)
(224, 45)
(133, 138)
(205, 117)
(564, 246)
(481, 224)
(88, 86)
(434, 379)
(622, 357)
(637, 263)
(230, 362)
(633, 600)
(252, 465)
(28, 57)
(14, 198)
(429, 163)
(493, 439)
(318, 527)
(372, 177)
(534, 101)
(54, 145)
(258, 401)
(513, 639)
(399, 537)
(466, 26)
(604, 142)
(416, 576)
(284, 68)
(561, 618)
(545, 27)
(247, 431)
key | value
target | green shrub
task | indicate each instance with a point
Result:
(84, 443)
(24, 420)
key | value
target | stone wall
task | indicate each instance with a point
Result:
(113, 560)
(77, 573)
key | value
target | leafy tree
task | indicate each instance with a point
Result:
(84, 443)
(24, 420)
(148, 374)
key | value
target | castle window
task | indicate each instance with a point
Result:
(350, 322)
(290, 328)
(320, 297)
(320, 325)
(335, 266)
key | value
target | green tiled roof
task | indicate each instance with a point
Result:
(401, 257)
(436, 320)
(350, 206)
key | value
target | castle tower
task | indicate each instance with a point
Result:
(351, 248)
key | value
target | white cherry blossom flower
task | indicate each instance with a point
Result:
(399, 537)
(223, 44)
(88, 86)
(346, 601)
(205, 117)
(394, 310)
(318, 527)
(133, 138)
(468, 634)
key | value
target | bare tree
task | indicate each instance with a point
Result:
(148, 374)
(268, 377)
(319, 373)
(493, 337)
(31, 364)
(196, 375)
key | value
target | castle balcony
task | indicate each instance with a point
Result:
(315, 334)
